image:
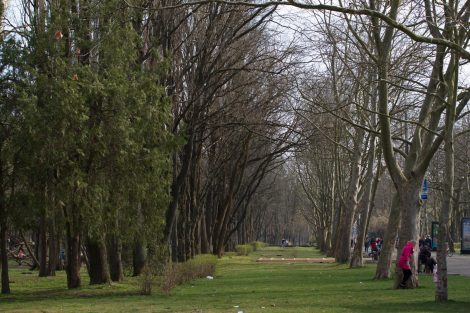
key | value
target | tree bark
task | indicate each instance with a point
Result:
(388, 246)
(356, 259)
(73, 258)
(410, 198)
(139, 257)
(54, 244)
(343, 249)
(177, 186)
(98, 262)
(205, 247)
(42, 245)
(115, 259)
(4, 252)
(35, 253)
(441, 285)
(53, 249)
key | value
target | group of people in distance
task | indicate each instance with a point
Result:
(424, 259)
(375, 245)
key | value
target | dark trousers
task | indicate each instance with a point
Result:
(406, 275)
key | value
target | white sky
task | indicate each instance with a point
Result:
(289, 20)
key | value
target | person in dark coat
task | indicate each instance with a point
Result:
(421, 242)
(423, 256)
(428, 241)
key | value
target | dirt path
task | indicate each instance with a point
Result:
(296, 260)
(456, 265)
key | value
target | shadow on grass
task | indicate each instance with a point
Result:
(53, 293)
(415, 306)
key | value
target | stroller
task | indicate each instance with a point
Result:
(374, 250)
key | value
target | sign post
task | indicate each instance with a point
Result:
(424, 193)
(465, 247)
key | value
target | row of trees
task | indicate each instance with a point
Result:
(173, 120)
(85, 143)
(382, 80)
(228, 99)
(137, 132)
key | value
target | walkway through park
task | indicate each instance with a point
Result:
(459, 265)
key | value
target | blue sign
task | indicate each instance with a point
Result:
(424, 193)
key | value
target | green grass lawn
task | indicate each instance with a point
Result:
(241, 284)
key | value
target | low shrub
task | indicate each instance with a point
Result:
(175, 274)
(258, 245)
(147, 278)
(243, 249)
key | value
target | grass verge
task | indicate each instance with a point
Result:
(240, 284)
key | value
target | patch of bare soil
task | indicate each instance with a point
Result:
(296, 260)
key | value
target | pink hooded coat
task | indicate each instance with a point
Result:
(406, 253)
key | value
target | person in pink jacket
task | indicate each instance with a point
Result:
(404, 261)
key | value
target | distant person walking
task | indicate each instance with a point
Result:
(423, 257)
(404, 261)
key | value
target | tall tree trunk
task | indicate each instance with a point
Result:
(35, 265)
(42, 245)
(3, 233)
(53, 249)
(336, 207)
(73, 258)
(139, 257)
(98, 262)
(115, 259)
(343, 250)
(177, 186)
(174, 243)
(182, 242)
(410, 197)
(221, 232)
(330, 226)
(4, 252)
(441, 286)
(205, 248)
(356, 259)
(328, 239)
(54, 244)
(388, 246)
(187, 230)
